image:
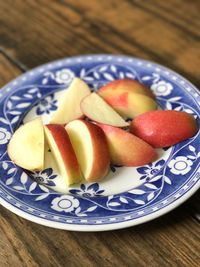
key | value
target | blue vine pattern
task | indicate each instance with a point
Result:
(88, 199)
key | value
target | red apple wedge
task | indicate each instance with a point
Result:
(128, 104)
(26, 147)
(125, 85)
(127, 149)
(163, 128)
(69, 105)
(61, 147)
(90, 146)
(96, 109)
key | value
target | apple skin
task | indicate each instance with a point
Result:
(85, 133)
(163, 128)
(26, 147)
(96, 109)
(127, 149)
(125, 85)
(61, 147)
(128, 104)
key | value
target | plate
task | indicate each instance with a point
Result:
(128, 196)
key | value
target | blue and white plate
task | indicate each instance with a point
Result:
(128, 196)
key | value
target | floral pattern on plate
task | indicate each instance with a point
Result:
(163, 183)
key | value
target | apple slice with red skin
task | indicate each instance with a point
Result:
(128, 104)
(65, 157)
(69, 104)
(26, 147)
(125, 85)
(127, 149)
(96, 109)
(163, 128)
(91, 148)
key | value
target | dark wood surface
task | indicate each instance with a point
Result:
(33, 32)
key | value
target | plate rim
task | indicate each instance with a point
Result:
(102, 227)
(99, 227)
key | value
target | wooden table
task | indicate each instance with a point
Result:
(35, 32)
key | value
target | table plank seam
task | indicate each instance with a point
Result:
(132, 41)
(165, 19)
(14, 61)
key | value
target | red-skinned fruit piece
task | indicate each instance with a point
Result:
(163, 128)
(126, 149)
(126, 85)
(63, 153)
(91, 148)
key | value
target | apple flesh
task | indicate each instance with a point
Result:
(62, 150)
(127, 149)
(69, 106)
(26, 147)
(128, 104)
(91, 149)
(96, 109)
(125, 85)
(163, 128)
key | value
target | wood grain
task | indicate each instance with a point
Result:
(35, 32)
(8, 71)
(70, 27)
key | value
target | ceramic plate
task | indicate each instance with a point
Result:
(128, 196)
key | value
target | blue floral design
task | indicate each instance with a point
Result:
(44, 177)
(25, 194)
(150, 170)
(88, 191)
(46, 105)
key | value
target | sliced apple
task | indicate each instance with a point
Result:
(127, 149)
(26, 147)
(95, 108)
(61, 147)
(125, 85)
(164, 128)
(90, 146)
(128, 104)
(69, 106)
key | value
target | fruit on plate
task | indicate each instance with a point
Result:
(163, 128)
(26, 147)
(125, 85)
(96, 109)
(65, 157)
(127, 149)
(91, 148)
(69, 106)
(128, 104)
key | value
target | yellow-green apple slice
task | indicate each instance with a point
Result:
(127, 149)
(95, 108)
(125, 85)
(61, 147)
(26, 147)
(128, 104)
(69, 105)
(90, 146)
